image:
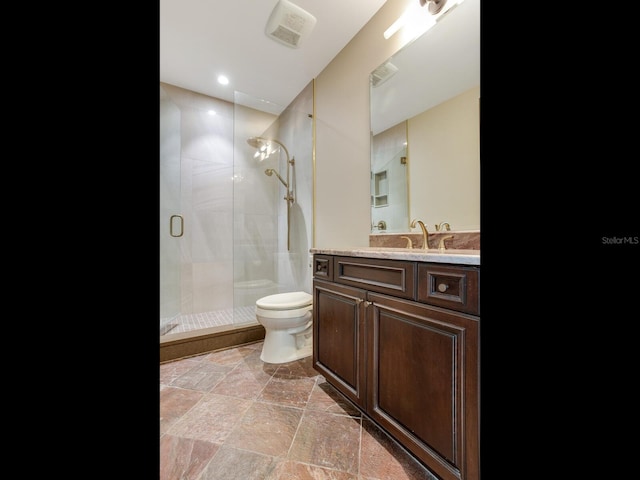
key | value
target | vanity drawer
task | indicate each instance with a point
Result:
(323, 267)
(455, 288)
(393, 277)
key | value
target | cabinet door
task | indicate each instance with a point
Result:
(338, 337)
(423, 382)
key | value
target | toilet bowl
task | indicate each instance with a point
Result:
(286, 318)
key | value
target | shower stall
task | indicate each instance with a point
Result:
(227, 237)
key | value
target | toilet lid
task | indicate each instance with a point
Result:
(285, 301)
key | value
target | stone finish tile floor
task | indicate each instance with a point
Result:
(227, 415)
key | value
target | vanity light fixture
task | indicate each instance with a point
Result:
(415, 20)
(434, 5)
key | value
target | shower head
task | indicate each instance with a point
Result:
(264, 146)
(271, 171)
(256, 142)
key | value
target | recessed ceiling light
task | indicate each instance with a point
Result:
(223, 80)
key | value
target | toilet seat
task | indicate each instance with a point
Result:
(285, 301)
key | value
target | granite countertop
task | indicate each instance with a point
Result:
(459, 257)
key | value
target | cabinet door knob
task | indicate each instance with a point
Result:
(443, 287)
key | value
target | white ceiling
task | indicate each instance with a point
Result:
(200, 39)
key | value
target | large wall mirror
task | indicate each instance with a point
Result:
(425, 126)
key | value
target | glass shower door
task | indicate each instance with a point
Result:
(171, 223)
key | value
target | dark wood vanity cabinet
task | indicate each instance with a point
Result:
(422, 382)
(408, 363)
(339, 338)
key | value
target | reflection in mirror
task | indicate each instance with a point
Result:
(389, 195)
(432, 87)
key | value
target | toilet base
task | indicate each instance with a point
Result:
(281, 346)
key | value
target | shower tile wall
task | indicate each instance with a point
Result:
(255, 225)
(261, 211)
(232, 229)
(296, 132)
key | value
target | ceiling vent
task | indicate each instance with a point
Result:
(289, 24)
(383, 73)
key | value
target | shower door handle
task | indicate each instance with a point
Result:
(171, 225)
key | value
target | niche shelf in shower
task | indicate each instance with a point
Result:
(380, 189)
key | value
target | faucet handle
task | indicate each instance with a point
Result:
(409, 243)
(381, 225)
(441, 246)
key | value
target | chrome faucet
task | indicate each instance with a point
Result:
(425, 234)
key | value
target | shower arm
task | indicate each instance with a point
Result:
(270, 171)
(286, 152)
(290, 161)
(259, 142)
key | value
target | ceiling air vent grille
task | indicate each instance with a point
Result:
(383, 73)
(289, 24)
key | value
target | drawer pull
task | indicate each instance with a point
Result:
(443, 287)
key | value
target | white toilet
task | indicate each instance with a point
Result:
(286, 318)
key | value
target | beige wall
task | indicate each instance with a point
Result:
(342, 156)
(444, 163)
